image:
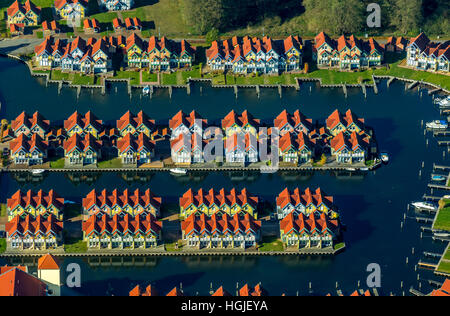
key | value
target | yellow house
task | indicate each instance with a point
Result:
(27, 13)
(71, 9)
(35, 204)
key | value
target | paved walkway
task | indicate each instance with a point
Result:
(19, 46)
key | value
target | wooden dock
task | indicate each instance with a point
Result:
(439, 167)
(439, 187)
(416, 292)
(432, 198)
(427, 265)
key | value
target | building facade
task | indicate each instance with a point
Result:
(136, 150)
(24, 13)
(422, 54)
(116, 5)
(28, 151)
(35, 204)
(81, 151)
(254, 55)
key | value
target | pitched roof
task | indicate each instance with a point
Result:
(35, 200)
(59, 4)
(221, 292)
(175, 292)
(148, 291)
(420, 40)
(34, 226)
(301, 222)
(48, 262)
(336, 117)
(241, 120)
(26, 7)
(351, 142)
(187, 120)
(294, 120)
(135, 121)
(137, 143)
(297, 197)
(444, 290)
(134, 198)
(201, 224)
(16, 282)
(28, 144)
(220, 198)
(83, 121)
(30, 121)
(82, 143)
(296, 141)
(246, 290)
(123, 224)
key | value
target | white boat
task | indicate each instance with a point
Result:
(442, 235)
(350, 169)
(178, 171)
(438, 178)
(437, 124)
(425, 206)
(37, 171)
(364, 169)
(146, 90)
(384, 157)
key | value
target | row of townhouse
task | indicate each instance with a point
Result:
(71, 10)
(254, 55)
(210, 202)
(24, 14)
(35, 220)
(91, 56)
(422, 54)
(347, 53)
(344, 136)
(158, 54)
(214, 219)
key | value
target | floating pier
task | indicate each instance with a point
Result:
(439, 167)
(432, 198)
(416, 292)
(439, 187)
(441, 133)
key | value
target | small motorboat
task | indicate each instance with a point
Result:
(425, 206)
(442, 235)
(350, 169)
(180, 171)
(37, 171)
(438, 178)
(384, 157)
(364, 169)
(437, 124)
(146, 90)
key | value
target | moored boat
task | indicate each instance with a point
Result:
(146, 90)
(425, 206)
(178, 171)
(437, 124)
(439, 178)
(384, 157)
(37, 171)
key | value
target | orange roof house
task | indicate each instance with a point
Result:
(221, 292)
(88, 123)
(133, 202)
(91, 25)
(258, 290)
(26, 13)
(444, 290)
(82, 144)
(48, 262)
(136, 149)
(337, 122)
(148, 291)
(14, 281)
(40, 227)
(39, 203)
(187, 123)
(175, 292)
(220, 226)
(135, 124)
(133, 24)
(29, 151)
(240, 123)
(50, 27)
(297, 122)
(343, 143)
(16, 28)
(26, 124)
(305, 202)
(210, 202)
(396, 44)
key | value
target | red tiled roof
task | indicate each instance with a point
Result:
(30, 121)
(135, 121)
(248, 291)
(83, 121)
(220, 198)
(148, 291)
(336, 117)
(306, 197)
(16, 28)
(59, 4)
(35, 200)
(444, 290)
(123, 224)
(83, 144)
(28, 144)
(126, 197)
(136, 143)
(352, 142)
(221, 292)
(293, 119)
(297, 142)
(16, 282)
(188, 142)
(242, 120)
(34, 226)
(175, 292)
(300, 222)
(24, 8)
(421, 41)
(219, 224)
(187, 120)
(48, 262)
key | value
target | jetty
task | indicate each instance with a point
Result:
(439, 187)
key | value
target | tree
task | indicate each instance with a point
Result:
(408, 15)
(212, 35)
(204, 15)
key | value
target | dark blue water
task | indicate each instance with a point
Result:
(372, 206)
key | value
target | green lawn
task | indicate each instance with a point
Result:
(3, 210)
(113, 163)
(444, 267)
(74, 245)
(442, 221)
(170, 79)
(339, 246)
(2, 245)
(149, 77)
(171, 246)
(271, 244)
(133, 75)
(447, 255)
(57, 164)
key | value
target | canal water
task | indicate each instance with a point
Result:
(372, 205)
